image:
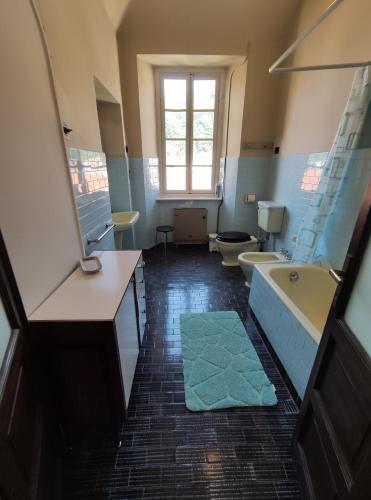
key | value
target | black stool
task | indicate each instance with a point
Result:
(165, 230)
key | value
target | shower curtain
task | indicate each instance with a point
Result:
(328, 225)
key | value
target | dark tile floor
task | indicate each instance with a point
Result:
(169, 452)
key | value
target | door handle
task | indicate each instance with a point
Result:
(337, 275)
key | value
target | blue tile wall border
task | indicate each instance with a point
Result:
(292, 180)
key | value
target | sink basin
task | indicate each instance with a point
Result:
(124, 220)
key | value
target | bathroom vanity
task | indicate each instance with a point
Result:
(89, 332)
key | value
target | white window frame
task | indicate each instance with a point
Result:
(216, 74)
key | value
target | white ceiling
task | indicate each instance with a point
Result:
(259, 19)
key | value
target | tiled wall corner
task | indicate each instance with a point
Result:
(89, 177)
(253, 176)
(119, 184)
(138, 199)
(244, 174)
(293, 345)
(145, 188)
(152, 189)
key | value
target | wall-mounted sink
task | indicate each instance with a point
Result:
(123, 221)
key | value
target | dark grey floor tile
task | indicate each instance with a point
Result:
(169, 452)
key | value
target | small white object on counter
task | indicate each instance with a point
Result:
(90, 265)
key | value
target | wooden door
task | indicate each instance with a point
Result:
(26, 460)
(333, 435)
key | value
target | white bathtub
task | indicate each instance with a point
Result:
(309, 298)
(292, 313)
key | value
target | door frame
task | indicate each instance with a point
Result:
(15, 311)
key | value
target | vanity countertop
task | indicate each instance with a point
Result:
(91, 297)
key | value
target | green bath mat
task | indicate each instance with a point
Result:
(220, 365)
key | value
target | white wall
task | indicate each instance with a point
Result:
(36, 205)
(83, 46)
(313, 102)
(208, 27)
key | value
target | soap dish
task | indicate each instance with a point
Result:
(90, 265)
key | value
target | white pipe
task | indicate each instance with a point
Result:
(324, 66)
(274, 69)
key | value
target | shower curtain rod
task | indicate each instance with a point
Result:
(274, 68)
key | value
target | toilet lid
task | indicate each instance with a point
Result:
(233, 237)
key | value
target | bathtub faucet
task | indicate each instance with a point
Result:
(294, 276)
(285, 253)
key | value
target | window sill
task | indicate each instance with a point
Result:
(188, 198)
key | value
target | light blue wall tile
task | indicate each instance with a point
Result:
(152, 190)
(244, 174)
(253, 176)
(119, 184)
(145, 188)
(337, 233)
(138, 200)
(293, 180)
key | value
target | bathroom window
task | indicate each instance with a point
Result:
(188, 111)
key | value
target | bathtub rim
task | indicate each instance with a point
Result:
(264, 269)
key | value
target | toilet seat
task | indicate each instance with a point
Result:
(233, 237)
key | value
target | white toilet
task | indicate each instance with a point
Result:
(233, 243)
(247, 261)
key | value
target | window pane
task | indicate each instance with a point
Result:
(202, 153)
(175, 91)
(201, 178)
(175, 178)
(175, 124)
(203, 124)
(175, 153)
(204, 94)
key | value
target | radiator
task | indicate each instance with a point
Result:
(190, 225)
